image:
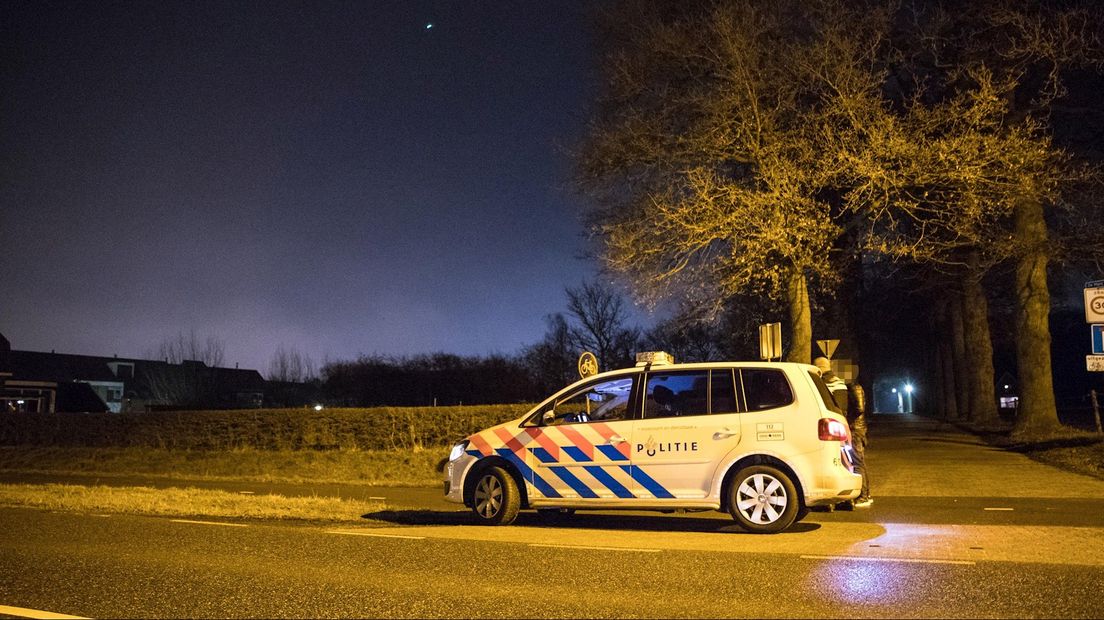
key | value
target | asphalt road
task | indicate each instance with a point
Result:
(122, 566)
(957, 530)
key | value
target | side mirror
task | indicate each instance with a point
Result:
(548, 418)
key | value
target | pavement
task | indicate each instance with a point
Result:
(910, 455)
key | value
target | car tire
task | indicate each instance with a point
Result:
(495, 498)
(762, 499)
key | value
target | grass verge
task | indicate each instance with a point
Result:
(188, 502)
(401, 467)
(1069, 449)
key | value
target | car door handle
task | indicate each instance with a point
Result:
(616, 439)
(724, 433)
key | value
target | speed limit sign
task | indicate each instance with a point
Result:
(1094, 302)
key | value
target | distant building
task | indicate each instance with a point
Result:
(49, 382)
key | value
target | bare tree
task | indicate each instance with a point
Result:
(169, 385)
(177, 349)
(552, 361)
(713, 155)
(600, 317)
(289, 364)
(686, 339)
(971, 175)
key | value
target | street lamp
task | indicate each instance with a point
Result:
(908, 390)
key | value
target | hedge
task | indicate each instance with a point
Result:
(262, 429)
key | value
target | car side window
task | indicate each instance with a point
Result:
(722, 387)
(604, 401)
(765, 388)
(677, 394)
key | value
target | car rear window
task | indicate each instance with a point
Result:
(825, 395)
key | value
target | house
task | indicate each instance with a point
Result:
(47, 382)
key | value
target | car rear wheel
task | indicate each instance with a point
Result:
(762, 499)
(495, 500)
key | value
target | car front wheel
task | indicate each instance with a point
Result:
(496, 500)
(762, 499)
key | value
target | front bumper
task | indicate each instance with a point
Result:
(455, 472)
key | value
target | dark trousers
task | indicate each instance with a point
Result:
(858, 443)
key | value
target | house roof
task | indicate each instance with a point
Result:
(60, 367)
(63, 367)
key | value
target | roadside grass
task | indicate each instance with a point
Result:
(1088, 459)
(188, 502)
(1070, 449)
(398, 467)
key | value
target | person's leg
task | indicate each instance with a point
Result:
(859, 444)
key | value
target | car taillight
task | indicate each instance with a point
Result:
(829, 429)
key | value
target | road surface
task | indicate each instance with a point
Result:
(957, 530)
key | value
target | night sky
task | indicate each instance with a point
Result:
(331, 177)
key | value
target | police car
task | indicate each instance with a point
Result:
(759, 440)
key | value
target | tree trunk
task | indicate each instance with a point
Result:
(801, 321)
(945, 361)
(958, 355)
(979, 352)
(1037, 413)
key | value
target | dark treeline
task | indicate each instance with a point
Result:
(436, 379)
(595, 320)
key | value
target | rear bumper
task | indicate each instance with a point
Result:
(835, 482)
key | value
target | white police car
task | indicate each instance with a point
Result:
(756, 439)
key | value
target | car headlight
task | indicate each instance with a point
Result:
(458, 450)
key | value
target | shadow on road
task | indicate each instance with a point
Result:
(603, 521)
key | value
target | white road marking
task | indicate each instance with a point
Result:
(23, 612)
(1001, 509)
(377, 498)
(374, 535)
(245, 492)
(902, 560)
(208, 523)
(593, 548)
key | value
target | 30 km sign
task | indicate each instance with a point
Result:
(1094, 302)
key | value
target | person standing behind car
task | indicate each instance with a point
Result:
(847, 404)
(856, 419)
(836, 386)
